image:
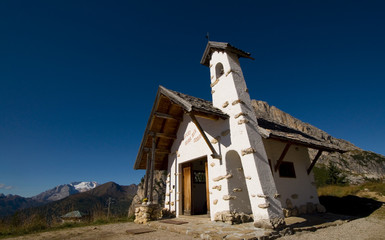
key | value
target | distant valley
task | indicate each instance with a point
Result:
(82, 196)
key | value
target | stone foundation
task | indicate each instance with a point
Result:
(233, 217)
(145, 213)
(274, 223)
(238, 218)
(309, 208)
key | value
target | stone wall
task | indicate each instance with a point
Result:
(232, 217)
(310, 208)
(158, 193)
(145, 213)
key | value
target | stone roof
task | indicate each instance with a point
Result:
(270, 129)
(193, 103)
(211, 46)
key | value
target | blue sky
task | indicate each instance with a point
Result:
(78, 78)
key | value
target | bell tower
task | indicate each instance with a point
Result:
(226, 75)
(231, 95)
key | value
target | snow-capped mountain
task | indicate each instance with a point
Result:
(84, 186)
(46, 203)
(62, 191)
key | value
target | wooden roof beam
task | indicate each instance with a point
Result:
(157, 150)
(314, 161)
(167, 116)
(283, 154)
(163, 135)
(205, 115)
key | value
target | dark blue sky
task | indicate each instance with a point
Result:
(78, 78)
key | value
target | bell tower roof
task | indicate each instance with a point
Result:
(223, 46)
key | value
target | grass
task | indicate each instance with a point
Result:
(337, 191)
(367, 204)
(341, 191)
(37, 225)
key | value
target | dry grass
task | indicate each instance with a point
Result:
(36, 224)
(369, 190)
(341, 191)
(338, 191)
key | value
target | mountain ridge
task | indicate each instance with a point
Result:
(357, 164)
(64, 190)
(93, 202)
(9, 204)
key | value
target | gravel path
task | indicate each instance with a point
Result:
(362, 229)
(369, 228)
(105, 232)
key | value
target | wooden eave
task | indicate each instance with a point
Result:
(166, 115)
(221, 46)
(306, 144)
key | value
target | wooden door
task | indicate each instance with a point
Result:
(187, 190)
(207, 187)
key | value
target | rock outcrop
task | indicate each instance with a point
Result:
(158, 193)
(356, 163)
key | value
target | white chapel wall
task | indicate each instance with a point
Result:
(190, 146)
(299, 190)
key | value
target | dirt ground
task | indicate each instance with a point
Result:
(105, 232)
(371, 227)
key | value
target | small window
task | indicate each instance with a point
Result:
(199, 177)
(286, 169)
(219, 71)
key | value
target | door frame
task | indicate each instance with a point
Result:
(188, 164)
(186, 191)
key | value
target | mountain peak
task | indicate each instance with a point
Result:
(64, 190)
(84, 186)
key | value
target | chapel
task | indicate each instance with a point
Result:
(222, 159)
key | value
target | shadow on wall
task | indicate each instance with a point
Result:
(237, 184)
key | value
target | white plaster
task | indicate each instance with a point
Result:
(190, 145)
(231, 88)
(302, 184)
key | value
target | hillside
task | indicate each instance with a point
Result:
(92, 202)
(356, 163)
(9, 204)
